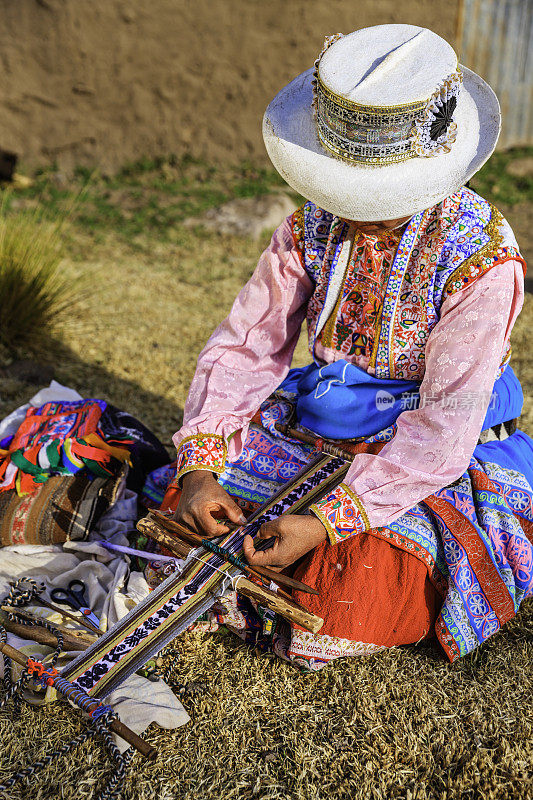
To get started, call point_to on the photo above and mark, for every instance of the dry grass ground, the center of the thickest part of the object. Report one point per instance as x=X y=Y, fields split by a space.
x=403 y=724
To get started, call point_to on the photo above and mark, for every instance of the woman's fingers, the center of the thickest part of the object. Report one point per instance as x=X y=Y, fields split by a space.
x=295 y=535
x=248 y=547
x=185 y=518
x=254 y=556
x=273 y=557
x=268 y=530
x=232 y=511
x=207 y=517
x=269 y=557
x=203 y=501
x=206 y=523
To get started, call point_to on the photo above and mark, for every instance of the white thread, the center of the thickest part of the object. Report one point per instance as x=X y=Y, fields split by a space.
x=233 y=579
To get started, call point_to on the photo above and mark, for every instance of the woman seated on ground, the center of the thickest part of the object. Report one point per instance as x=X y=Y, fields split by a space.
x=409 y=320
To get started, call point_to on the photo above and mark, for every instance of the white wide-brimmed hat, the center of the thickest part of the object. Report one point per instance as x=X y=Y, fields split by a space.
x=386 y=124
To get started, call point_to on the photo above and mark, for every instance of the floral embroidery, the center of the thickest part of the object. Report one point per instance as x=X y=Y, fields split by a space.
x=323 y=271
x=351 y=327
x=317 y=227
x=298 y=233
x=342 y=514
x=407 y=325
x=478 y=265
x=311 y=651
x=204 y=451
x=388 y=304
x=386 y=435
x=505 y=360
x=267 y=461
x=393 y=297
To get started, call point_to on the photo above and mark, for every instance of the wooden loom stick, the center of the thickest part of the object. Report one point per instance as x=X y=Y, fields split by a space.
x=322 y=445
x=116 y=725
x=174 y=605
x=263 y=572
x=282 y=593
x=286 y=608
x=278 y=601
x=153 y=529
x=41 y=601
x=195 y=540
x=177 y=547
x=76 y=640
x=83 y=636
x=40 y=635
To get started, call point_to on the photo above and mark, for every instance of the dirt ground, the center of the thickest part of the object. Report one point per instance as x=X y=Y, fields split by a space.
x=100 y=83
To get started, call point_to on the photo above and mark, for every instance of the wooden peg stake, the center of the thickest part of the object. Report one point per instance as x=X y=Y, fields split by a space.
x=286 y=608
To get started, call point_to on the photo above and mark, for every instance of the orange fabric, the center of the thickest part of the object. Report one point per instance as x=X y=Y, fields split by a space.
x=171 y=498
x=370 y=591
x=120 y=453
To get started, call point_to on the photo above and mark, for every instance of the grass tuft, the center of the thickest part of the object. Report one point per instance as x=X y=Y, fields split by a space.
x=35 y=292
x=150 y=197
x=495 y=182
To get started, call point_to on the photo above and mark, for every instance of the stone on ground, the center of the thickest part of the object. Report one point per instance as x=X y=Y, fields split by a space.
x=246 y=216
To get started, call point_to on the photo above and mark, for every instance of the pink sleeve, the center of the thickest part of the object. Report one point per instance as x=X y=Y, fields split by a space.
x=246 y=358
x=434 y=443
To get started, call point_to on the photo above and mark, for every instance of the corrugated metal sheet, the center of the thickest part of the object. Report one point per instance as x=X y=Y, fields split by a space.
x=495 y=39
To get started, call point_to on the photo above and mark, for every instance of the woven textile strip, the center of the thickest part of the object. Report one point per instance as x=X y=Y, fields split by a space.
x=392 y=294
x=178 y=602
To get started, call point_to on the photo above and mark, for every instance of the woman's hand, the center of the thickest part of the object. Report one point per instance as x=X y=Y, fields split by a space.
x=295 y=536
x=203 y=501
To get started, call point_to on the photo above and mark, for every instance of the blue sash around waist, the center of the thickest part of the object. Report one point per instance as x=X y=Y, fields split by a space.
x=342 y=401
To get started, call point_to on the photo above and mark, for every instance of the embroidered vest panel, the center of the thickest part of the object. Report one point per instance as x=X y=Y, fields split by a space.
x=377 y=306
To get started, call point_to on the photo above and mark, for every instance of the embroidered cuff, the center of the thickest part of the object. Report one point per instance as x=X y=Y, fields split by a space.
x=342 y=514
x=203 y=451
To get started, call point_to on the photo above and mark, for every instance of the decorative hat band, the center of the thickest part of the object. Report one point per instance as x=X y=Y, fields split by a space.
x=386 y=134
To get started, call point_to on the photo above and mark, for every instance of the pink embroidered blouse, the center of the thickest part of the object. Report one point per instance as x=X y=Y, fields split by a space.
x=250 y=353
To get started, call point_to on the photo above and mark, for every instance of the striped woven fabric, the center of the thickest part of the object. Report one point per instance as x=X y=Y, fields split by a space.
x=183 y=597
x=59 y=438
x=65 y=507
